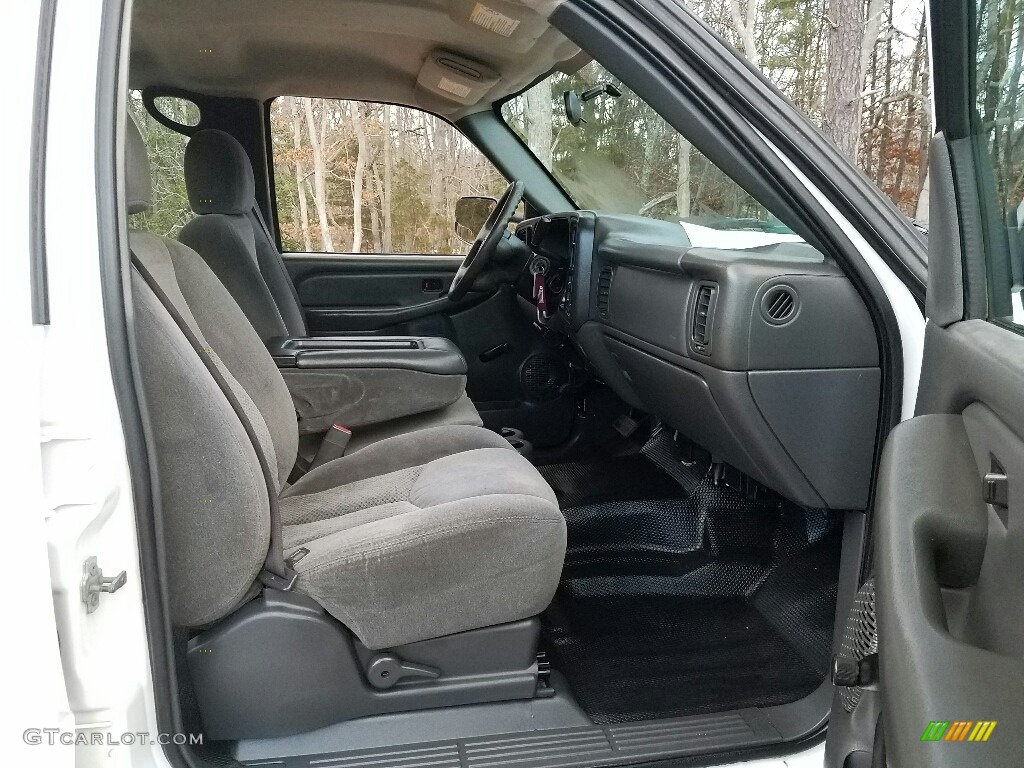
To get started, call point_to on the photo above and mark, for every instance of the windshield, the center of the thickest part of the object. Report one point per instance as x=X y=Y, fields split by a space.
x=622 y=157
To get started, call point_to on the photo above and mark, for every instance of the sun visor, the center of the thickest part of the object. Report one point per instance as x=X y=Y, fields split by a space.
x=456 y=78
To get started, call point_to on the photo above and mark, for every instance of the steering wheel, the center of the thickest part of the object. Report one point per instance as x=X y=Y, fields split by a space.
x=491 y=233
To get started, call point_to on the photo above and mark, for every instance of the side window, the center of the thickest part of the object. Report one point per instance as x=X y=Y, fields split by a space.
x=166 y=149
x=360 y=177
x=997 y=127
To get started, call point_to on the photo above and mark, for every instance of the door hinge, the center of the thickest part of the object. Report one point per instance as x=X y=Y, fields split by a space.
x=94 y=582
x=996 y=489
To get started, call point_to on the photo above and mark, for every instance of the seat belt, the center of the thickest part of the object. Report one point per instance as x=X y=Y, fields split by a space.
x=278 y=261
x=277 y=572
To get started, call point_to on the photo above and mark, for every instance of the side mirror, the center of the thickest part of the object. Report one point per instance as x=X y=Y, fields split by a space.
x=470 y=215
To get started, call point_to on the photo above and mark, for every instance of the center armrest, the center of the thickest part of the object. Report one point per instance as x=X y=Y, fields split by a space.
x=362 y=380
x=427 y=354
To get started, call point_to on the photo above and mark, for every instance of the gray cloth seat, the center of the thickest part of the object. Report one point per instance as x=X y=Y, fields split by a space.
x=417 y=536
x=234 y=242
x=415 y=533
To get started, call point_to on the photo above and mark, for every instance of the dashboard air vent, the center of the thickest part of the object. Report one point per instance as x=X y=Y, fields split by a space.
x=703 y=315
x=779 y=304
x=604 y=290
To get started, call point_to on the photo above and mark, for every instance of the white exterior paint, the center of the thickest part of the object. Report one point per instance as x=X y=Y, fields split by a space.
x=63 y=431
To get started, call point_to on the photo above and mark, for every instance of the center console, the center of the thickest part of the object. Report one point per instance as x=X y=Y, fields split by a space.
x=359 y=380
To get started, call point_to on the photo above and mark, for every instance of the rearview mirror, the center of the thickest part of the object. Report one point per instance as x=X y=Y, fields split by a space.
x=574 y=101
x=470 y=215
x=573 y=107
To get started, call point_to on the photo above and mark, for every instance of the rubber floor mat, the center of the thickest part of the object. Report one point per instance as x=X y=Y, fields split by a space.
x=631 y=658
x=708 y=602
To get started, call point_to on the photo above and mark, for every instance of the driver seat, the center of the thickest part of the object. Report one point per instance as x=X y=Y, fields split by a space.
x=232 y=237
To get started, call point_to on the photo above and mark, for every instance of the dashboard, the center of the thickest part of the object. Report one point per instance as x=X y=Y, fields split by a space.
x=765 y=356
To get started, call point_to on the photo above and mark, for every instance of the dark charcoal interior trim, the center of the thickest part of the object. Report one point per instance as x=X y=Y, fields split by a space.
x=579 y=747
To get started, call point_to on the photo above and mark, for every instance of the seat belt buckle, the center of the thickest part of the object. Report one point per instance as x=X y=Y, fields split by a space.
x=333 y=445
x=284 y=583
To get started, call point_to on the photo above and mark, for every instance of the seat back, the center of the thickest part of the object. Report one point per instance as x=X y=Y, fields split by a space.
x=228 y=233
x=214 y=498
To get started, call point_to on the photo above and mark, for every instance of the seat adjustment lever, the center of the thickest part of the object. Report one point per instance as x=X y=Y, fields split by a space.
x=386 y=669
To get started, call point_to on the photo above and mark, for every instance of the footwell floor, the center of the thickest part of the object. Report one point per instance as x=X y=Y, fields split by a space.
x=705 y=602
x=643 y=658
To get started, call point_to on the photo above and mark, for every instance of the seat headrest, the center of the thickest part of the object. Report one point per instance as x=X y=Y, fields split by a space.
x=218 y=174
x=138 y=185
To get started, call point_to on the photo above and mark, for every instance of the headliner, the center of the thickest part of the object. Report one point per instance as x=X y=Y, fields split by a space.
x=354 y=49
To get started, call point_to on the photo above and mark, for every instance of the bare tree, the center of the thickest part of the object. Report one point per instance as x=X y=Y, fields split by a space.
x=843 y=84
x=389 y=172
x=300 y=176
x=683 y=178
x=319 y=173
x=743 y=21
x=872 y=26
x=538 y=123
x=357 y=177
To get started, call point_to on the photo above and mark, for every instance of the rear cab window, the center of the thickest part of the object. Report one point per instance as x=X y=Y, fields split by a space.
x=166 y=149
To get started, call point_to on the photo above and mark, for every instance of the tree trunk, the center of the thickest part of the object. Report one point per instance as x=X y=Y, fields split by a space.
x=841 y=118
x=885 y=133
x=908 y=123
x=921 y=210
x=357 y=180
x=538 y=123
x=743 y=21
x=872 y=26
x=683 y=179
x=375 y=199
x=300 y=178
x=388 y=176
x=319 y=176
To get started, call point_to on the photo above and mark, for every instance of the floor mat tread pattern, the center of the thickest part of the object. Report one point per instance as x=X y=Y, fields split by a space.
x=696 y=603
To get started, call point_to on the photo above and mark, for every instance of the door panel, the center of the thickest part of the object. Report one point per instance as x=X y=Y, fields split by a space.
x=506 y=356
x=942 y=585
x=350 y=294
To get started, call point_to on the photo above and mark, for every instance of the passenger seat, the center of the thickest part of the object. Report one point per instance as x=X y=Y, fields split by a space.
x=420 y=536
x=230 y=235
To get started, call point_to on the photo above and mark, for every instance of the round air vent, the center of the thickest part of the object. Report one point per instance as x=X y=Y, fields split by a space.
x=541 y=376
x=779 y=304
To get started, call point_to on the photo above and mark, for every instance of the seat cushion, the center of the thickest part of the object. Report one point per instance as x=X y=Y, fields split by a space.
x=426 y=534
x=460 y=413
